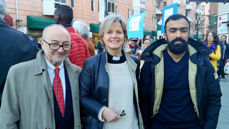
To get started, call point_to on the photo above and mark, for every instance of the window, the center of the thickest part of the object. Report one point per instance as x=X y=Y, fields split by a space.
x=92 y=5
x=116 y=9
x=142 y=10
x=58 y=2
x=111 y=7
x=61 y=1
x=128 y=13
x=73 y=3
x=187 y=13
x=142 y=1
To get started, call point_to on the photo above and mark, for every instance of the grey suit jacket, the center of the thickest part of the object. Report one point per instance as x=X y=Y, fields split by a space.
x=28 y=102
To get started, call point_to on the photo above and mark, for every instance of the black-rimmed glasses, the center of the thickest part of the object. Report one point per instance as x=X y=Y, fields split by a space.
x=56 y=46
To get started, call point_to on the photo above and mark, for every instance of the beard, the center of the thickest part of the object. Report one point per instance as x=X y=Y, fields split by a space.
x=177 y=48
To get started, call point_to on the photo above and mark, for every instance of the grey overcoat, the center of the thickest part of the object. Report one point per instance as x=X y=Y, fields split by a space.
x=28 y=102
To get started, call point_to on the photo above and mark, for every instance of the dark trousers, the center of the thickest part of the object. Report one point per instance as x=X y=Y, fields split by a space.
x=221 y=68
x=168 y=125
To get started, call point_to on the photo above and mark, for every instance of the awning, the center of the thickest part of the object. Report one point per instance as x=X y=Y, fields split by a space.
x=158 y=27
x=94 y=28
x=34 y=22
x=154 y=33
x=146 y=32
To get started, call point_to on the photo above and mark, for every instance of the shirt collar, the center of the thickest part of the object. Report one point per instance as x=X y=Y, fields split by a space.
x=51 y=66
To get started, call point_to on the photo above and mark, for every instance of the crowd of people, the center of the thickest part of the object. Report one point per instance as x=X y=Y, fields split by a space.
x=65 y=85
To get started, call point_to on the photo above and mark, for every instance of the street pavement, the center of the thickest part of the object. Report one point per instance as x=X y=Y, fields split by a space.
x=223 y=122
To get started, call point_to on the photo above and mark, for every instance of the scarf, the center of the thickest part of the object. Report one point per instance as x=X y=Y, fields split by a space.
x=212 y=47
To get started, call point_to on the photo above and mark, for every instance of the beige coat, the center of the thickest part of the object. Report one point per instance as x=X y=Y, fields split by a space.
x=28 y=102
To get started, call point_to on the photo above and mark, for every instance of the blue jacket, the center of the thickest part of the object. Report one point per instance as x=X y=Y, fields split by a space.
x=15 y=47
x=94 y=87
x=205 y=89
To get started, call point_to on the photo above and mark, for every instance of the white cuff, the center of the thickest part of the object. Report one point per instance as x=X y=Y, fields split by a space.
x=100 y=114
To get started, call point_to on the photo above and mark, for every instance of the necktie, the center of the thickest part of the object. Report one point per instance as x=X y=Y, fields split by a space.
x=58 y=90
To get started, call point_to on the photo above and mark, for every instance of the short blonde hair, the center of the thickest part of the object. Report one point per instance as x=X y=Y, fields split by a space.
x=107 y=23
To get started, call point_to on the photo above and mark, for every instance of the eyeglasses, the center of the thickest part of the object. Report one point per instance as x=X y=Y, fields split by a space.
x=55 y=45
x=123 y=113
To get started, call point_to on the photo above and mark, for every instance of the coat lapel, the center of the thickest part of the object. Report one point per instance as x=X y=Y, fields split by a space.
x=41 y=70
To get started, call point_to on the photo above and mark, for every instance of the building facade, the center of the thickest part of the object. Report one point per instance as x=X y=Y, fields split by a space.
x=31 y=16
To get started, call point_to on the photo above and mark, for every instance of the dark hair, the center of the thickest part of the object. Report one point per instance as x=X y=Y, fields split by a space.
x=176 y=17
x=215 y=38
x=65 y=12
x=149 y=36
x=224 y=36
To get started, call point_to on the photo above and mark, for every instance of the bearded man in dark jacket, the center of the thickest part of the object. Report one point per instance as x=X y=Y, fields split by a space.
x=15 y=47
x=179 y=87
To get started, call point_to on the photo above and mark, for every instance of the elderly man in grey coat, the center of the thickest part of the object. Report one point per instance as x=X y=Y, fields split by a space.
x=43 y=93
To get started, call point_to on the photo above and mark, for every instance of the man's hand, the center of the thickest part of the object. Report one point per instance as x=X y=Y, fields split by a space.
x=110 y=115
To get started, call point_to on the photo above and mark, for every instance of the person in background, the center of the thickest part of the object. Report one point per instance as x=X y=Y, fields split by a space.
x=8 y=19
x=178 y=89
x=100 y=47
x=83 y=30
x=35 y=42
x=108 y=82
x=224 y=48
x=161 y=37
x=144 y=46
x=16 y=47
x=63 y=15
x=212 y=42
x=148 y=37
x=133 y=47
x=43 y=93
x=139 y=43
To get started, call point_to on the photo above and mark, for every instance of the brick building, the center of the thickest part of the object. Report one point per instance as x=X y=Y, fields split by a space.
x=31 y=16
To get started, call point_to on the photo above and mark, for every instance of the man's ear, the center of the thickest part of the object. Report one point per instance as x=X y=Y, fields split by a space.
x=165 y=36
x=41 y=42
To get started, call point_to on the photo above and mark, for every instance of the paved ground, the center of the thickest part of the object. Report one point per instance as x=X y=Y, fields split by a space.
x=223 y=122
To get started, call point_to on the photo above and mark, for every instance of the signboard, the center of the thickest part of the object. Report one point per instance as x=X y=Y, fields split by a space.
x=135 y=26
x=222 y=27
x=168 y=11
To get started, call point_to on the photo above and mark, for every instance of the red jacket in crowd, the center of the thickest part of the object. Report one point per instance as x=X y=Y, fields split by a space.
x=79 y=51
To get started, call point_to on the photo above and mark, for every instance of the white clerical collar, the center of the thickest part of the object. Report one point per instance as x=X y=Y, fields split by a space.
x=116 y=58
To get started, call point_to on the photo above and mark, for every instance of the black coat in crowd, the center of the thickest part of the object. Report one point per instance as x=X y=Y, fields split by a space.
x=16 y=47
